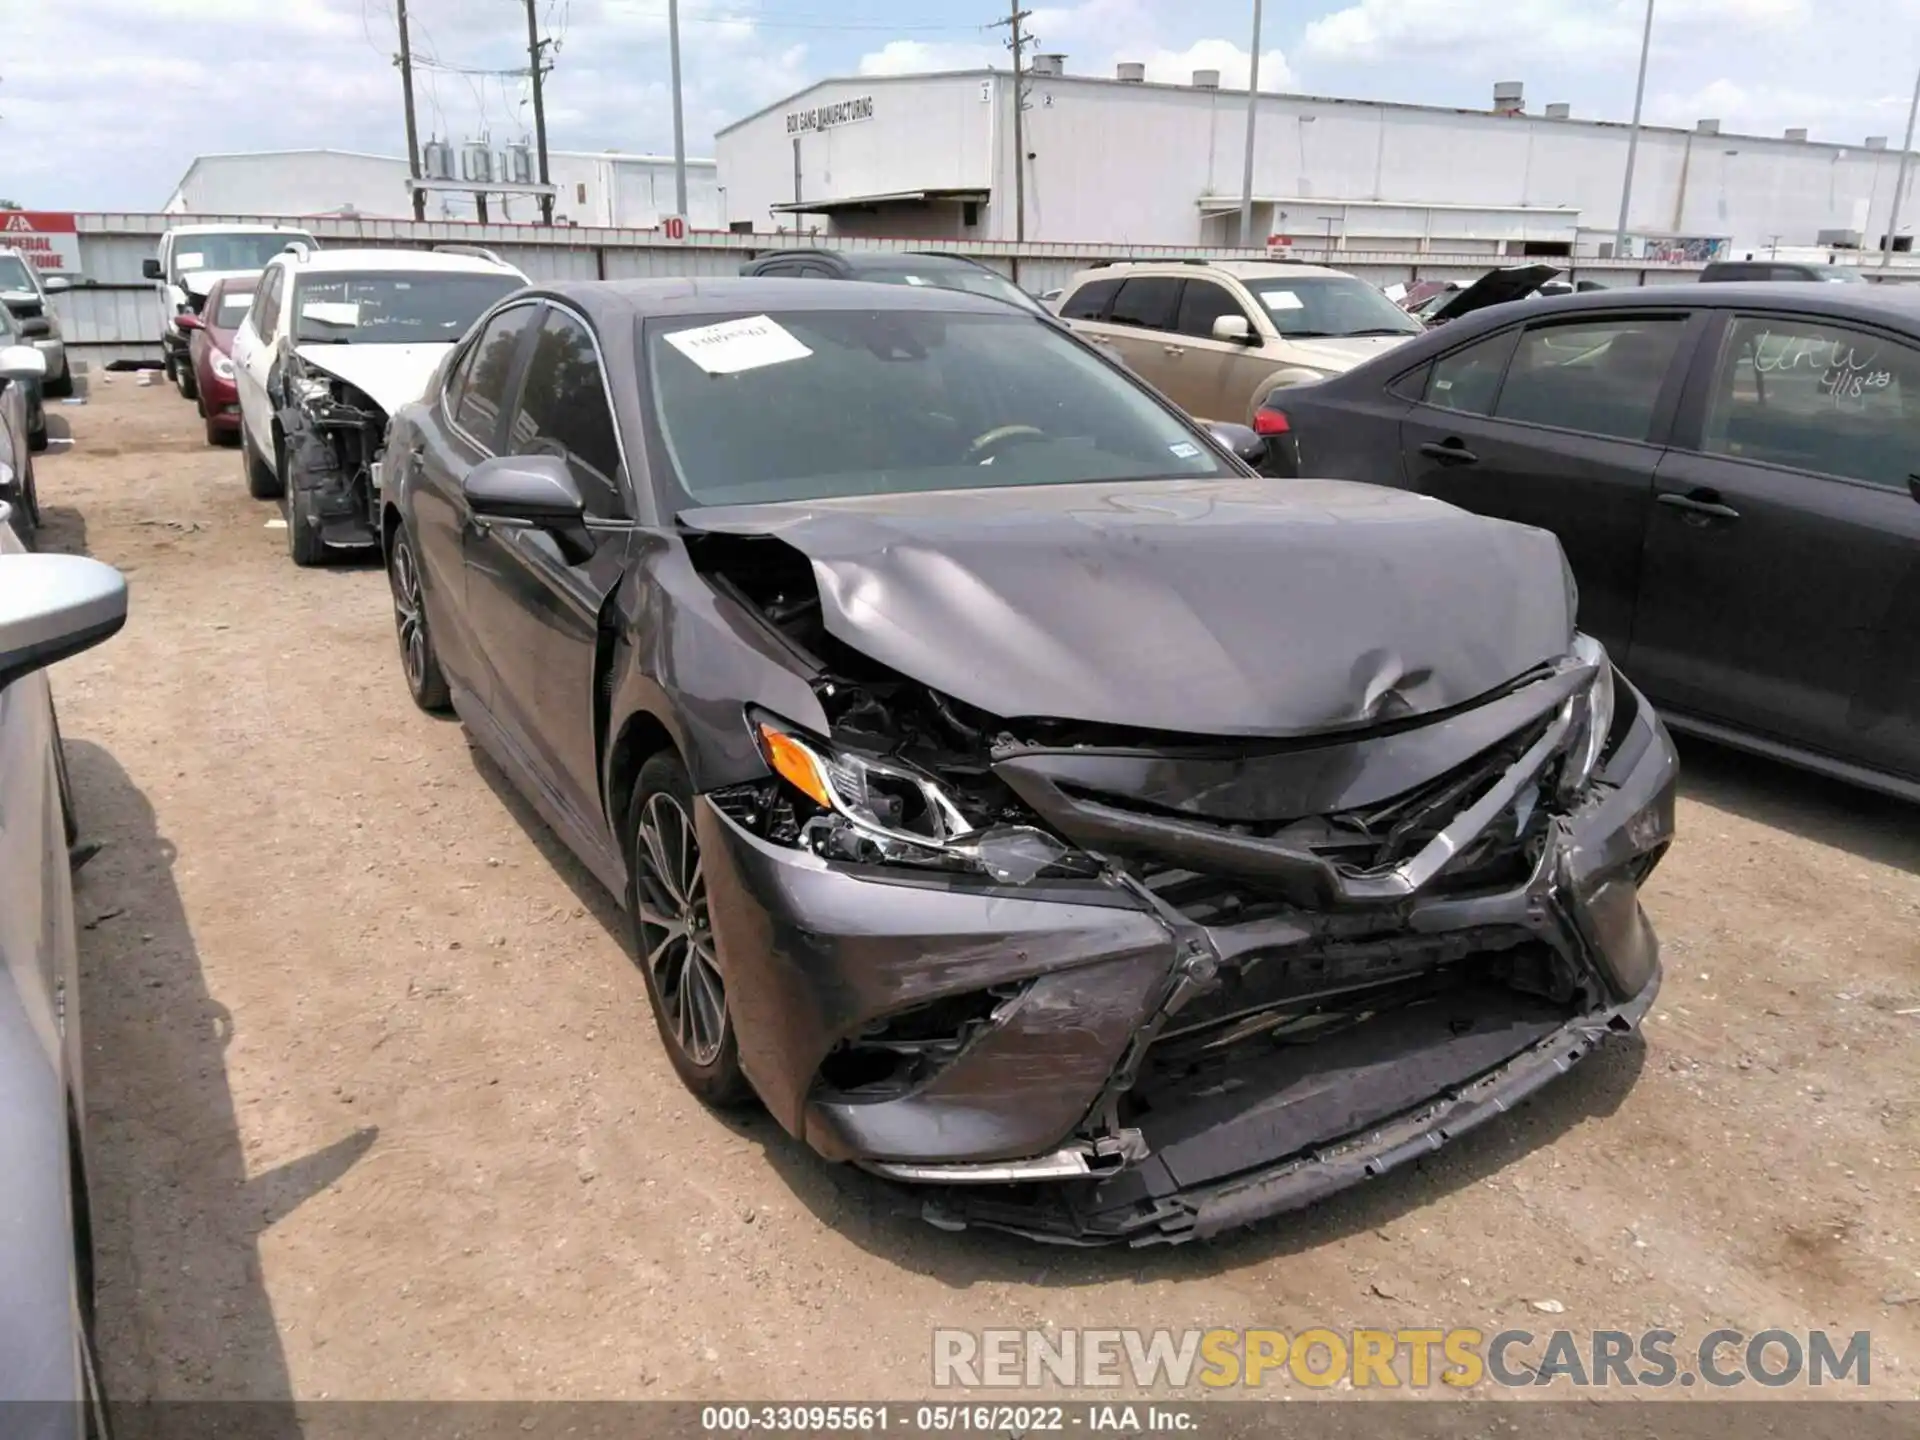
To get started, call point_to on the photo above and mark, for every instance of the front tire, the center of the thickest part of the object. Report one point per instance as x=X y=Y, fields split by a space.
x=303 y=536
x=262 y=481
x=667 y=896
x=419 y=662
x=183 y=376
x=25 y=508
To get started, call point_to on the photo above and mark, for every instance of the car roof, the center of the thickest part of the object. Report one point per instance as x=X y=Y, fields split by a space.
x=1895 y=301
x=330 y=262
x=877 y=259
x=701 y=295
x=238 y=230
x=1238 y=269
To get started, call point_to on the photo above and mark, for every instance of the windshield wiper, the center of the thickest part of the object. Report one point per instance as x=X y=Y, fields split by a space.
x=324 y=340
x=1383 y=330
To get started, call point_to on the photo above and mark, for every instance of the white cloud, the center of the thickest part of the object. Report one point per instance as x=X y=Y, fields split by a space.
x=1176 y=67
x=1599 y=31
x=916 y=57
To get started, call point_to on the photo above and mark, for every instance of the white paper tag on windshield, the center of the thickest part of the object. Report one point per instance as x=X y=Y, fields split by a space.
x=1281 y=300
x=736 y=345
x=190 y=260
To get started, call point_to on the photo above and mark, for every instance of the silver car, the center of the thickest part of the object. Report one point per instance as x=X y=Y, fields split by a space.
x=51 y=606
x=25 y=294
x=21 y=370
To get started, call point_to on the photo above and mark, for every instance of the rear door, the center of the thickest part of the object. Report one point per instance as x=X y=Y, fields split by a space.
x=1558 y=424
x=1138 y=323
x=465 y=429
x=1781 y=583
x=535 y=608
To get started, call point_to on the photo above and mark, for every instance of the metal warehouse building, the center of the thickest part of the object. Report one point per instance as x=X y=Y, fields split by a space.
x=609 y=188
x=1118 y=159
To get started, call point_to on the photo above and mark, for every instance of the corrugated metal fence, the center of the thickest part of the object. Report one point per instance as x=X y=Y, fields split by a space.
x=113 y=314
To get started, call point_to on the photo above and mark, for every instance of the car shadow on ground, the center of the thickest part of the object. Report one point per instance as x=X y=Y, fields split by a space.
x=883 y=1218
x=1874 y=827
x=177 y=1219
x=63 y=531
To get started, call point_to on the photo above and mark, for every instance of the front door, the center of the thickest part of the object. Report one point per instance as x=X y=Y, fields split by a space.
x=1555 y=426
x=464 y=428
x=536 y=609
x=1215 y=379
x=1781 y=582
x=253 y=359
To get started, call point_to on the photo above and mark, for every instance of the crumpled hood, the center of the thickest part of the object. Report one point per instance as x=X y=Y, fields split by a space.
x=1341 y=354
x=391 y=375
x=1232 y=607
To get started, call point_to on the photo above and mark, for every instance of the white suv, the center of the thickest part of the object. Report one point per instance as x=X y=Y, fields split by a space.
x=191 y=258
x=335 y=342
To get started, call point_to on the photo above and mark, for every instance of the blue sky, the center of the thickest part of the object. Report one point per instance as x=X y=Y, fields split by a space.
x=104 y=102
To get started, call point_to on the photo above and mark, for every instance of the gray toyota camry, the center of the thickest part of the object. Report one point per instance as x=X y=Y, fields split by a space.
x=1012 y=791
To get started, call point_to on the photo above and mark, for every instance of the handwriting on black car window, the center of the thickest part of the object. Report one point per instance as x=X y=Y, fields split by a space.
x=1843 y=372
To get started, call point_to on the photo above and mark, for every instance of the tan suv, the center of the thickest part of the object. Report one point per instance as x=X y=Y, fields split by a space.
x=1215 y=338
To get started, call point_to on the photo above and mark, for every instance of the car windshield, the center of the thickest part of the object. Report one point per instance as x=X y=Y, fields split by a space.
x=968 y=278
x=234 y=305
x=420 y=308
x=14 y=274
x=232 y=252
x=805 y=405
x=1311 y=306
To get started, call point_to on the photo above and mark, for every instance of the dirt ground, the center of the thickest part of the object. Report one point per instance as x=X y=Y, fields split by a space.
x=377 y=1108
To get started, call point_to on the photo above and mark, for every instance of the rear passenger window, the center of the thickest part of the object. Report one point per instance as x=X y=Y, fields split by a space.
x=483 y=389
x=1090 y=301
x=563 y=411
x=1599 y=378
x=1467 y=379
x=1817 y=397
x=1148 y=301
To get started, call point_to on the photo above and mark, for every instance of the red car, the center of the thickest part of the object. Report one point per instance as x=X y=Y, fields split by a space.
x=210 y=350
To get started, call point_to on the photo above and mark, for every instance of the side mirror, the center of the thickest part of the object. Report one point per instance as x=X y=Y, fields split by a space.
x=38 y=328
x=150 y=269
x=54 y=606
x=58 y=283
x=1913 y=486
x=1233 y=329
x=1243 y=444
x=532 y=490
x=187 y=320
x=22 y=362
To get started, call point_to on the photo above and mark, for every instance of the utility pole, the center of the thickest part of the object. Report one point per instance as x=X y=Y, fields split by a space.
x=1900 y=181
x=1017 y=44
x=536 y=68
x=1253 y=110
x=679 y=127
x=405 y=61
x=1633 y=137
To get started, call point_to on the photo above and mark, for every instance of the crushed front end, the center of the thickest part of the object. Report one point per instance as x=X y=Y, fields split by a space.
x=336 y=435
x=1093 y=985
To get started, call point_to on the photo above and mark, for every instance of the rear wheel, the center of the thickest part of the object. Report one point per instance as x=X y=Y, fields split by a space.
x=61 y=386
x=418 y=660
x=668 y=898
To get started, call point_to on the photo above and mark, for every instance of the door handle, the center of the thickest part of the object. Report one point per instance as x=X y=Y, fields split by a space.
x=1695 y=506
x=1449 y=454
x=1174 y=349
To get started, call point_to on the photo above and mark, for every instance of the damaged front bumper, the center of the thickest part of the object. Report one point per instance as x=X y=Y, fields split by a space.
x=1132 y=1058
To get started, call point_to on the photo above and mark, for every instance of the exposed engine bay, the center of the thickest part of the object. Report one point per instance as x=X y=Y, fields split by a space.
x=335 y=435
x=1375 y=938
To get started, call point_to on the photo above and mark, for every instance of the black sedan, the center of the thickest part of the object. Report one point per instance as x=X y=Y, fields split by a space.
x=1731 y=469
x=1006 y=785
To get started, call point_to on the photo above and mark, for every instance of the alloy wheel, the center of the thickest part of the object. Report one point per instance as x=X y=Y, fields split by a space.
x=676 y=936
x=408 y=616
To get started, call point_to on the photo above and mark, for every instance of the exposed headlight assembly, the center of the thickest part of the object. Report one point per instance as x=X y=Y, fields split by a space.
x=308 y=390
x=880 y=813
x=1591 y=712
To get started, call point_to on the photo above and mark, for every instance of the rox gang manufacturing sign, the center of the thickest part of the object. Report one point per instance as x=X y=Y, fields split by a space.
x=50 y=243
x=825 y=117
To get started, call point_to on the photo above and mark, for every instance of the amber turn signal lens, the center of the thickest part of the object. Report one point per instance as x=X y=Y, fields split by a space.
x=795 y=764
